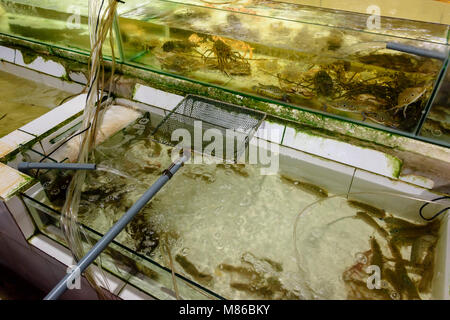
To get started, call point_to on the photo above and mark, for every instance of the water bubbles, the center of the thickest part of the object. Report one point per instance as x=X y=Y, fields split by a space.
x=245 y=202
x=395 y=295
x=361 y=258
x=197 y=170
x=437 y=133
x=185 y=251
x=241 y=220
x=209 y=177
x=315 y=235
x=256 y=188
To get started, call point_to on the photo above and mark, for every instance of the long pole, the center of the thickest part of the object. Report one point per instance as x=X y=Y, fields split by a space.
x=26 y=166
x=417 y=51
x=98 y=248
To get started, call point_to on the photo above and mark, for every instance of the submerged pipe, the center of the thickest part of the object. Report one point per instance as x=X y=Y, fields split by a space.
x=101 y=245
x=25 y=166
x=417 y=51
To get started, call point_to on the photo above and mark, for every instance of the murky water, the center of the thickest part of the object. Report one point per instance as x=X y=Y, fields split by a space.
x=60 y=23
x=337 y=71
x=22 y=101
x=230 y=229
x=313 y=58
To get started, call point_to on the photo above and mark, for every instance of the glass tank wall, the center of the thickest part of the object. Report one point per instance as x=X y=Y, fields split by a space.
x=326 y=61
x=437 y=124
x=60 y=23
x=321 y=60
x=213 y=225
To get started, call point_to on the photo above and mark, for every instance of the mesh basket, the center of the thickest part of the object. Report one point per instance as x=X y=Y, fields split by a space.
x=213 y=127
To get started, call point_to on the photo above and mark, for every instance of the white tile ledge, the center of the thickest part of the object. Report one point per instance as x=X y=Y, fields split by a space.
x=40 y=64
x=7 y=54
x=155 y=97
x=359 y=157
x=418 y=181
x=11 y=181
x=41 y=125
x=131 y=293
x=52 y=249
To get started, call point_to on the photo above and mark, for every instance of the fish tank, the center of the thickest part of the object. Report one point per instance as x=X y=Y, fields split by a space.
x=60 y=24
x=436 y=125
x=225 y=231
x=321 y=60
x=329 y=62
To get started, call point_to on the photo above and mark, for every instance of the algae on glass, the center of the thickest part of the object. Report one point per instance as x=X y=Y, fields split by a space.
x=437 y=123
x=230 y=229
x=53 y=22
x=292 y=54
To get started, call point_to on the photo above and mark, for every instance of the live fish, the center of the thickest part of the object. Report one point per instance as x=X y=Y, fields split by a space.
x=407 y=286
x=377 y=255
x=271 y=91
x=427 y=276
x=408 y=97
x=307 y=187
x=377 y=213
x=406 y=229
x=421 y=247
x=192 y=270
x=371 y=222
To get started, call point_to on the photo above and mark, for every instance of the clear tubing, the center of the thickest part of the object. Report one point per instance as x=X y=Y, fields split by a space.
x=101 y=245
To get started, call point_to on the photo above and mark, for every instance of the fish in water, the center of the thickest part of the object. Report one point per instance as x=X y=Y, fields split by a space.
x=393 y=222
x=380 y=117
x=407 y=286
x=362 y=103
x=390 y=277
x=371 y=222
x=408 y=97
x=428 y=264
x=375 y=212
x=243 y=271
x=407 y=229
x=346 y=106
x=252 y=260
x=420 y=248
x=192 y=270
x=237 y=168
x=377 y=255
x=399 y=277
x=307 y=187
x=271 y=91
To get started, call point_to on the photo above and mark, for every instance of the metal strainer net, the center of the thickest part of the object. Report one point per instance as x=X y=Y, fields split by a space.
x=203 y=118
